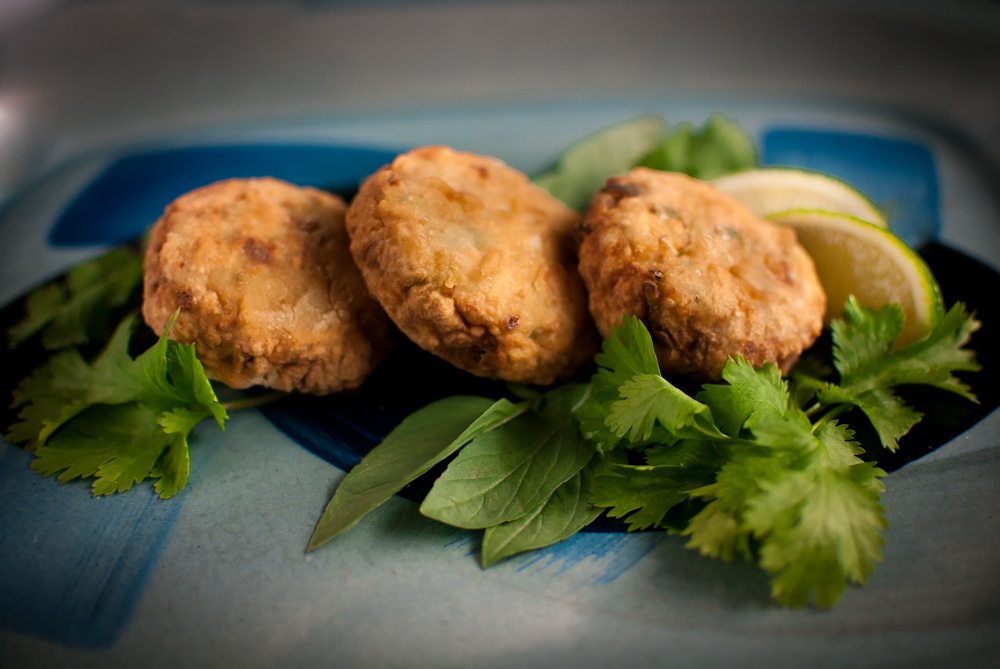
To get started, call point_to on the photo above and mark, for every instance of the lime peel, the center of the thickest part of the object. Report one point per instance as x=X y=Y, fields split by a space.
x=855 y=257
x=770 y=190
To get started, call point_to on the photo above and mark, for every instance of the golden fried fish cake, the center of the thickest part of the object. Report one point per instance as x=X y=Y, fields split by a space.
x=263 y=277
x=475 y=264
x=708 y=278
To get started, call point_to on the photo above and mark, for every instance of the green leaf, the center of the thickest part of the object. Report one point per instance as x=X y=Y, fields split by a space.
x=80 y=308
x=584 y=167
x=505 y=473
x=717 y=531
x=117 y=445
x=562 y=515
x=684 y=453
x=746 y=391
x=174 y=466
x=627 y=351
x=424 y=438
x=187 y=375
x=117 y=419
x=825 y=514
x=643 y=495
x=66 y=385
x=871 y=368
x=809 y=503
x=648 y=400
x=720 y=147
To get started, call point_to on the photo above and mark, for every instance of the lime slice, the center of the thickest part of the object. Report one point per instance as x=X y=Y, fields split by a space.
x=854 y=257
x=773 y=189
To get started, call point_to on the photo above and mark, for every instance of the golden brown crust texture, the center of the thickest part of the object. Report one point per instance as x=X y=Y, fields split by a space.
x=707 y=277
x=261 y=272
x=474 y=263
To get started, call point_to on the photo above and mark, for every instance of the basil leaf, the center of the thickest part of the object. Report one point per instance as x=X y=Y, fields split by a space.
x=562 y=515
x=583 y=168
x=423 y=439
x=505 y=473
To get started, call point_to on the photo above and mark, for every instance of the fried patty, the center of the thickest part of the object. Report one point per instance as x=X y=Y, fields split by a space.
x=708 y=278
x=265 y=284
x=475 y=264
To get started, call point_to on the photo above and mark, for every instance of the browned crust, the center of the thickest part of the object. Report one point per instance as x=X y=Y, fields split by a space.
x=266 y=287
x=707 y=277
x=474 y=264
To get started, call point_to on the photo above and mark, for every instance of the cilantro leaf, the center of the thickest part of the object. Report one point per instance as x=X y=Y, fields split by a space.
x=507 y=472
x=649 y=400
x=424 y=438
x=803 y=495
x=870 y=368
x=643 y=494
x=117 y=445
x=80 y=308
x=66 y=384
x=627 y=351
x=746 y=391
x=118 y=419
x=820 y=525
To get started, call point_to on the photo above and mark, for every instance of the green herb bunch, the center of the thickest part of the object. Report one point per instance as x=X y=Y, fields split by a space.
x=116 y=419
x=752 y=468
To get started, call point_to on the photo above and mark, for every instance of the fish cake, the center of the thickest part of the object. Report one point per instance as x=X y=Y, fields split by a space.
x=475 y=264
x=263 y=277
x=708 y=278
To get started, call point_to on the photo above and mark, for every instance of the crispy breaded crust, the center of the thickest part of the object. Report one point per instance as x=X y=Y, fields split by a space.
x=475 y=264
x=708 y=278
x=261 y=272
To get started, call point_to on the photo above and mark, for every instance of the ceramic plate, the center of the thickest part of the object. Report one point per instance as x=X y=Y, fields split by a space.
x=218 y=575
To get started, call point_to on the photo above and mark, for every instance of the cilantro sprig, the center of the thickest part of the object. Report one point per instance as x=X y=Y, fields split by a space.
x=118 y=419
x=745 y=469
x=83 y=307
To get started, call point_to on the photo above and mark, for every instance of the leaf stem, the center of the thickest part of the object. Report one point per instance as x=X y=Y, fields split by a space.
x=830 y=415
x=253 y=402
x=811 y=411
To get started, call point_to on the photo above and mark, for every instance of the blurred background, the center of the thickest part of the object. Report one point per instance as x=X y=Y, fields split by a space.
x=77 y=75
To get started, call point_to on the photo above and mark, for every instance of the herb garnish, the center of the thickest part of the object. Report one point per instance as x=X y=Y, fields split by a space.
x=83 y=307
x=744 y=468
x=117 y=419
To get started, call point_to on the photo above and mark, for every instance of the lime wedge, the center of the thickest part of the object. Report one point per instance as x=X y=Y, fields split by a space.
x=772 y=189
x=857 y=258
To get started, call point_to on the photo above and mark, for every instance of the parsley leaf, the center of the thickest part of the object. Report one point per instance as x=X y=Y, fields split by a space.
x=79 y=309
x=766 y=482
x=119 y=420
